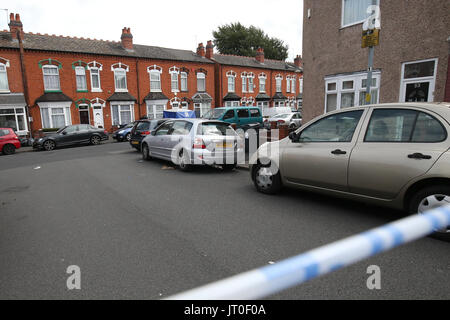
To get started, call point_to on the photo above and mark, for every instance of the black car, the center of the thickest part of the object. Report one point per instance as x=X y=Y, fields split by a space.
x=71 y=135
x=141 y=129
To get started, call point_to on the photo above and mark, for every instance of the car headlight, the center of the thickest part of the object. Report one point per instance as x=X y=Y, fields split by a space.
x=122 y=131
x=40 y=140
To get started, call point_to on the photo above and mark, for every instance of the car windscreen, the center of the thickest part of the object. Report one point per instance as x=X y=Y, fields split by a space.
x=61 y=130
x=214 y=114
x=215 y=129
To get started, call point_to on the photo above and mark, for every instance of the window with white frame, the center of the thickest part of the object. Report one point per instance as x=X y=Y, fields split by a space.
x=262 y=82
x=418 y=81
x=55 y=116
x=51 y=78
x=120 y=79
x=94 y=70
x=13 y=118
x=264 y=107
x=231 y=104
x=80 y=74
x=201 y=82
x=355 y=11
x=231 y=76
x=278 y=80
x=155 y=78
x=300 y=85
x=155 y=109
x=244 y=82
x=184 y=81
x=4 y=86
x=122 y=114
x=174 y=72
x=293 y=84
x=184 y=105
x=288 y=84
x=349 y=90
x=251 y=82
x=278 y=103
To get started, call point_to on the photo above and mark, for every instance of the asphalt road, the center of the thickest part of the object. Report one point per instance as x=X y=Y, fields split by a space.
x=140 y=230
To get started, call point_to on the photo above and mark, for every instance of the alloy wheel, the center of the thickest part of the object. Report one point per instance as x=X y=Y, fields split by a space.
x=49 y=145
x=432 y=202
x=264 y=178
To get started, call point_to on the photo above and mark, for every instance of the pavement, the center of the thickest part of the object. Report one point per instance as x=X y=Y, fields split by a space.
x=145 y=230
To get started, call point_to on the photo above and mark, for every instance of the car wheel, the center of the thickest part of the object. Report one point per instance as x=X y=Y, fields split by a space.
x=49 y=145
x=128 y=137
x=183 y=161
x=292 y=126
x=95 y=140
x=228 y=167
x=430 y=198
x=146 y=152
x=9 y=149
x=266 y=180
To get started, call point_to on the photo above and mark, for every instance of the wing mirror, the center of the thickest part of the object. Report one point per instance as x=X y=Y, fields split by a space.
x=64 y=133
x=294 y=136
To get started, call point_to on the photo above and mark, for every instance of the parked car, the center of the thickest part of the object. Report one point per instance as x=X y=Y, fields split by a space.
x=124 y=133
x=396 y=155
x=71 y=135
x=141 y=129
x=9 y=142
x=192 y=142
x=242 y=117
x=293 y=119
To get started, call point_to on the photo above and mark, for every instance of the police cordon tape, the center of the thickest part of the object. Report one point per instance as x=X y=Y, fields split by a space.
x=285 y=274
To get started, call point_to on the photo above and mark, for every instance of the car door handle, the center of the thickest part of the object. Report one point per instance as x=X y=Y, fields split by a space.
x=338 y=152
x=419 y=156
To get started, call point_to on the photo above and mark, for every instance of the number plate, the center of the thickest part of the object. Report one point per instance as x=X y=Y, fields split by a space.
x=224 y=145
x=135 y=142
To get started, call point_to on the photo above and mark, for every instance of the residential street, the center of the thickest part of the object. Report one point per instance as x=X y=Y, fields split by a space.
x=144 y=230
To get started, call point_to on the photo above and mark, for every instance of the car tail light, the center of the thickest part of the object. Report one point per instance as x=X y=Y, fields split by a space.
x=145 y=133
x=198 y=144
x=106 y=132
x=281 y=121
x=266 y=120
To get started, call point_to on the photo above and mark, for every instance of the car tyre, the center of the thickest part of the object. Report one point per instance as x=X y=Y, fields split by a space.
x=49 y=145
x=146 y=153
x=128 y=137
x=430 y=198
x=292 y=126
x=265 y=179
x=8 y=149
x=183 y=161
x=95 y=140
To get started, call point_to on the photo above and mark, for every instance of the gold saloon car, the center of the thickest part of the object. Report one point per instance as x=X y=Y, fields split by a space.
x=396 y=155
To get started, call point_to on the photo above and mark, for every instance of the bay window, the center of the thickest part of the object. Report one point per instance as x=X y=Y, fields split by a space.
x=57 y=116
x=13 y=118
x=122 y=114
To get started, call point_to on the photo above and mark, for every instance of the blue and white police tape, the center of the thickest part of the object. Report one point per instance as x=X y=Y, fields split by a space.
x=269 y=280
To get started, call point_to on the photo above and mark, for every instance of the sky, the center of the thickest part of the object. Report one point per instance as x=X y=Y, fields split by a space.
x=179 y=24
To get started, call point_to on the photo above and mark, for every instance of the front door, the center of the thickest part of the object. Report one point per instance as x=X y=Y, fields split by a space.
x=320 y=158
x=98 y=117
x=84 y=114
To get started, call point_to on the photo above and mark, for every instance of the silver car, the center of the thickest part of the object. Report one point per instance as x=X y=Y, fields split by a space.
x=396 y=155
x=191 y=142
x=293 y=120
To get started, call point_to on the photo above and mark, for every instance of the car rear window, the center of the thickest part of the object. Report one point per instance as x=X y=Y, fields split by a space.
x=215 y=129
x=143 y=125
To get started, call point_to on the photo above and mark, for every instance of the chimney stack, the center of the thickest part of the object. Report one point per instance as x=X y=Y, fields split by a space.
x=15 y=25
x=260 y=55
x=127 y=39
x=201 y=50
x=298 y=61
x=209 y=50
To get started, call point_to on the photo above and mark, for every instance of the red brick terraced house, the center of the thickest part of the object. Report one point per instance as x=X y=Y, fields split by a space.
x=256 y=81
x=49 y=81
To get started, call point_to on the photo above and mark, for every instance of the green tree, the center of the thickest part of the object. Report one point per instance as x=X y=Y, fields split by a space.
x=240 y=40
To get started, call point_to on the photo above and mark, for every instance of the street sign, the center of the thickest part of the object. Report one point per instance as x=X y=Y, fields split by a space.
x=370 y=38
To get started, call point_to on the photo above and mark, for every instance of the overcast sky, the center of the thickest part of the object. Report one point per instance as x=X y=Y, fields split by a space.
x=180 y=24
